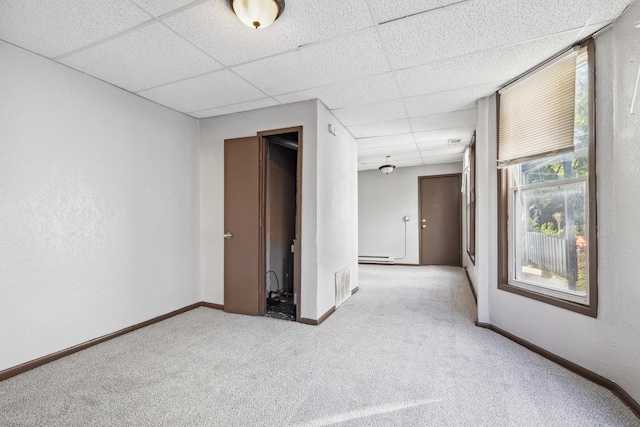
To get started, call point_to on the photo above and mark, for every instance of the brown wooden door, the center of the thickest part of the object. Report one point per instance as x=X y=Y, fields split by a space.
x=242 y=226
x=440 y=220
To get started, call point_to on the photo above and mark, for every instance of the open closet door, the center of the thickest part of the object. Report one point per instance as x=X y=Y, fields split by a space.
x=243 y=259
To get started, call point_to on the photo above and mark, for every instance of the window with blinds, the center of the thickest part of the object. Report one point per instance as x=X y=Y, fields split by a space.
x=546 y=156
x=536 y=115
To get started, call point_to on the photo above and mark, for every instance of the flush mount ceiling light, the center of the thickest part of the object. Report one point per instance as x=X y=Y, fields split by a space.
x=387 y=169
x=257 y=13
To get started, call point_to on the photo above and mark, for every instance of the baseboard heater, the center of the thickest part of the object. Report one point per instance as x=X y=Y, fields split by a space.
x=366 y=259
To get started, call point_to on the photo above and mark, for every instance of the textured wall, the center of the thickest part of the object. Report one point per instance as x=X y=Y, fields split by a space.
x=383 y=200
x=610 y=344
x=98 y=208
x=337 y=238
x=213 y=133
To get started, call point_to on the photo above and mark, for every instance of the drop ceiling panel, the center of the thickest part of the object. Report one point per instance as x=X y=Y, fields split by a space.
x=145 y=58
x=385 y=141
x=387 y=150
x=396 y=157
x=371 y=113
x=160 y=7
x=608 y=10
x=444 y=134
x=393 y=127
x=442 y=151
x=200 y=93
x=362 y=167
x=215 y=28
x=229 y=109
x=347 y=94
x=447 y=158
x=466 y=118
x=351 y=57
x=436 y=145
x=387 y=10
x=53 y=28
x=444 y=102
x=478 y=25
x=499 y=64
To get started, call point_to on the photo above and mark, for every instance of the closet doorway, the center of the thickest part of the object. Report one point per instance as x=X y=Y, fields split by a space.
x=262 y=224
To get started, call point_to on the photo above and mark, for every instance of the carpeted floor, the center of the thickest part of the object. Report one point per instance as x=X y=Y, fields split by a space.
x=401 y=352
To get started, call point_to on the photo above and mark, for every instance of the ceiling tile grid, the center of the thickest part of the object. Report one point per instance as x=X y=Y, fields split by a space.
x=213 y=90
x=389 y=10
x=53 y=28
x=235 y=108
x=161 y=7
x=214 y=27
x=146 y=58
x=366 y=90
x=380 y=128
x=371 y=113
x=403 y=76
x=354 y=56
x=445 y=120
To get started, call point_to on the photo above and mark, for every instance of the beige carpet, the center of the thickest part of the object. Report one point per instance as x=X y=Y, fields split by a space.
x=402 y=351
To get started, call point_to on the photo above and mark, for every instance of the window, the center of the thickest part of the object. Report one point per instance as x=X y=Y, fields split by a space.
x=470 y=197
x=546 y=160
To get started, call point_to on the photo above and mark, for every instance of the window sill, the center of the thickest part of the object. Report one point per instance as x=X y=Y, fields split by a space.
x=590 y=310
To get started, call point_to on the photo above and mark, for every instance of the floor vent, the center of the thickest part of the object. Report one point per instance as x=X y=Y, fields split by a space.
x=343 y=285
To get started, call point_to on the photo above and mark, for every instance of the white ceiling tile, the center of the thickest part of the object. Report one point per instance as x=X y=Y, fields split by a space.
x=444 y=134
x=393 y=127
x=230 y=109
x=384 y=151
x=200 y=93
x=53 y=28
x=160 y=7
x=387 y=10
x=442 y=151
x=362 y=167
x=145 y=58
x=452 y=100
x=607 y=10
x=447 y=158
x=477 y=25
x=393 y=158
x=371 y=113
x=444 y=121
x=385 y=141
x=434 y=145
x=347 y=94
x=215 y=28
x=347 y=58
x=494 y=65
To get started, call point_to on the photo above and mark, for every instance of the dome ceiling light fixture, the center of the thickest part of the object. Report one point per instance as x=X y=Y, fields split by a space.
x=387 y=169
x=257 y=13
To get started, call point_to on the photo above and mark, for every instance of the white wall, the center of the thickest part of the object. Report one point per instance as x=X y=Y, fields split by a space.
x=383 y=200
x=337 y=234
x=329 y=194
x=608 y=345
x=213 y=132
x=98 y=208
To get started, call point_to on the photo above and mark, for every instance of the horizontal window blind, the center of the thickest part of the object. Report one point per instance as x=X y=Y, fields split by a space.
x=537 y=112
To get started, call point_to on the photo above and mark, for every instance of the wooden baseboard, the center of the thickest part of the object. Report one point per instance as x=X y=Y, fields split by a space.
x=473 y=290
x=11 y=372
x=573 y=367
x=322 y=318
x=212 y=305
